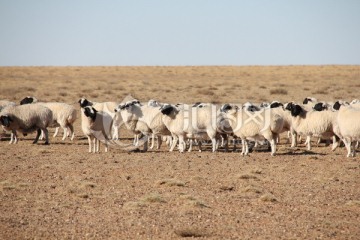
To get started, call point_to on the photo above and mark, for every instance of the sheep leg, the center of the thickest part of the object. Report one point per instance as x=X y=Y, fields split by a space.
x=213 y=140
x=353 y=145
x=106 y=145
x=190 y=145
x=115 y=135
x=347 y=143
x=90 y=143
x=181 y=143
x=38 y=133
x=293 y=138
x=226 y=146
x=243 y=147
x=278 y=139
x=56 y=131
x=136 y=140
x=174 y=142
x=336 y=141
x=146 y=140
x=96 y=145
x=318 y=141
x=46 y=133
x=13 y=137
x=246 y=148
x=72 y=132
x=65 y=133
x=41 y=136
x=234 y=147
x=159 y=142
x=199 y=145
x=273 y=147
x=152 y=141
x=308 y=142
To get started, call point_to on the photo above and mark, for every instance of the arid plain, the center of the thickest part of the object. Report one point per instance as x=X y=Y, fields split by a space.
x=61 y=191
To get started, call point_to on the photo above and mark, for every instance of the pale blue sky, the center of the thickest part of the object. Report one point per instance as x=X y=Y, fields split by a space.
x=179 y=32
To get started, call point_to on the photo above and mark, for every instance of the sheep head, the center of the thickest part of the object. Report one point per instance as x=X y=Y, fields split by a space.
x=309 y=99
x=84 y=102
x=276 y=104
x=294 y=109
x=320 y=107
x=28 y=100
x=168 y=109
x=90 y=112
x=337 y=105
x=229 y=108
x=5 y=120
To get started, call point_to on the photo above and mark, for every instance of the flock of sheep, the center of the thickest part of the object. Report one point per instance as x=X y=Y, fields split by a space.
x=182 y=124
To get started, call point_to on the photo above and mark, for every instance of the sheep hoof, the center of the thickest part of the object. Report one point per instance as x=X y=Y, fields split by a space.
x=46 y=143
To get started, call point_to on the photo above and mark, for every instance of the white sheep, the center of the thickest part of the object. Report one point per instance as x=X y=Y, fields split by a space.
x=64 y=116
x=108 y=107
x=26 y=119
x=190 y=122
x=255 y=126
x=143 y=118
x=349 y=126
x=96 y=125
x=314 y=123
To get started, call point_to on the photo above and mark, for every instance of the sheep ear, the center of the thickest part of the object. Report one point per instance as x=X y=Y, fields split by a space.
x=306 y=100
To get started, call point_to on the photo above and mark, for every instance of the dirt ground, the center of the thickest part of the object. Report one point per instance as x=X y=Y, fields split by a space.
x=61 y=191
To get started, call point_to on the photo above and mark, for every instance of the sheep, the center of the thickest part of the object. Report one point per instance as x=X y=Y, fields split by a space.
x=96 y=125
x=64 y=116
x=348 y=121
x=188 y=122
x=142 y=118
x=108 y=107
x=247 y=126
x=168 y=139
x=26 y=119
x=313 y=123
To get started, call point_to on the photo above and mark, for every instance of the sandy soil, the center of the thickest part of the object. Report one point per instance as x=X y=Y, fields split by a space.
x=61 y=191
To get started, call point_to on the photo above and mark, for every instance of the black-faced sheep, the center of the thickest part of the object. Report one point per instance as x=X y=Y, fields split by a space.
x=26 y=119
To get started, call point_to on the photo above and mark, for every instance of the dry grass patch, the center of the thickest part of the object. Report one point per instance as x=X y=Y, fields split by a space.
x=193 y=202
x=353 y=203
x=171 y=182
x=267 y=197
x=252 y=189
x=144 y=201
x=248 y=176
